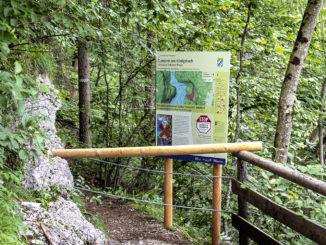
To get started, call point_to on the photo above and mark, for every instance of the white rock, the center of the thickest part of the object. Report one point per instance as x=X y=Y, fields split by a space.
x=45 y=172
x=34 y=205
x=64 y=224
x=37 y=242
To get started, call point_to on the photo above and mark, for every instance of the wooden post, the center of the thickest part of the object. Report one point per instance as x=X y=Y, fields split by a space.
x=242 y=204
x=217 y=200
x=168 y=193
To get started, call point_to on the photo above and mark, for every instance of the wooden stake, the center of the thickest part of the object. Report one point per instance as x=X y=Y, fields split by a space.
x=157 y=150
x=46 y=234
x=168 y=193
x=217 y=200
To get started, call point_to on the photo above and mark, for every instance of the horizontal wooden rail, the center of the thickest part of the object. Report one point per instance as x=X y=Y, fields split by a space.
x=309 y=229
x=252 y=231
x=289 y=174
x=157 y=150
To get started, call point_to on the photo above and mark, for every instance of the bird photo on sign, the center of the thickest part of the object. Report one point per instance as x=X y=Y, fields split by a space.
x=164 y=130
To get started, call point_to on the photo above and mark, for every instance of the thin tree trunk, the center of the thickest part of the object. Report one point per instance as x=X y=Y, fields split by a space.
x=237 y=79
x=323 y=96
x=290 y=82
x=117 y=169
x=237 y=129
x=149 y=103
x=84 y=94
x=321 y=130
x=106 y=111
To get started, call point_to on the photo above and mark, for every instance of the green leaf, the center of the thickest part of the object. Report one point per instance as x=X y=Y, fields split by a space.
x=14 y=143
x=3 y=135
x=4 y=48
x=27 y=120
x=18 y=67
x=23 y=154
x=13 y=21
x=20 y=107
x=34 y=153
x=6 y=11
x=3 y=101
x=17 y=94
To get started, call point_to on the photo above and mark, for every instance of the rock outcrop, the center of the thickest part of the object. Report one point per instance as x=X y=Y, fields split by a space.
x=63 y=221
x=45 y=172
x=64 y=224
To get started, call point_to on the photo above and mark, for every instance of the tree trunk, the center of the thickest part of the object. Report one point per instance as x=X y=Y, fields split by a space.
x=290 y=82
x=84 y=94
x=237 y=129
x=321 y=126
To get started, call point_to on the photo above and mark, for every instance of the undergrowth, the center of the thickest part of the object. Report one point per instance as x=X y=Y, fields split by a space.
x=80 y=199
x=11 y=222
x=194 y=234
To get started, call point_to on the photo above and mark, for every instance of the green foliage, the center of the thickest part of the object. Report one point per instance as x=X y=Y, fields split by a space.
x=13 y=90
x=10 y=218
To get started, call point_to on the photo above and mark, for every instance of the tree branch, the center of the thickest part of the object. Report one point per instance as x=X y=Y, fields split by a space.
x=45 y=17
x=37 y=39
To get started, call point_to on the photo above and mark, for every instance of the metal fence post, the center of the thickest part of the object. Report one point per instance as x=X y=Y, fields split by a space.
x=242 y=173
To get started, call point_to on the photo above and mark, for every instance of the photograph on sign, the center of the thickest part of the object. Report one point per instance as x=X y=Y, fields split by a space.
x=164 y=130
x=192 y=100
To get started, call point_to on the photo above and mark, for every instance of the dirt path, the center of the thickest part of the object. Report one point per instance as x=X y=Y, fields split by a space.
x=128 y=226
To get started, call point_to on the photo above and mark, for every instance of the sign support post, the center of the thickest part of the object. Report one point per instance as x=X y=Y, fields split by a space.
x=168 y=193
x=217 y=200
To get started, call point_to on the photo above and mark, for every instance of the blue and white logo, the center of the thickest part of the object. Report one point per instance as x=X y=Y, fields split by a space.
x=220 y=62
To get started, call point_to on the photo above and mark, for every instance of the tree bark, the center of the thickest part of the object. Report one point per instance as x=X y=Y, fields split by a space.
x=237 y=79
x=84 y=94
x=290 y=82
x=321 y=126
x=237 y=129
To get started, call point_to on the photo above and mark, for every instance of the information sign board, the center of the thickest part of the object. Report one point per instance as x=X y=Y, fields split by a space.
x=192 y=94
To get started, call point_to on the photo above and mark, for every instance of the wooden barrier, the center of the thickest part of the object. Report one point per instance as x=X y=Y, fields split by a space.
x=309 y=229
x=242 y=175
x=156 y=150
x=252 y=231
x=168 y=165
x=289 y=174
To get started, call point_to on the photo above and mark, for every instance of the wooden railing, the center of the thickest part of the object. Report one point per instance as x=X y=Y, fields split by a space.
x=168 y=166
x=305 y=227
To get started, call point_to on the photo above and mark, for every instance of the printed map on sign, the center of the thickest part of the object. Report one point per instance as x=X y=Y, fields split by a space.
x=184 y=88
x=192 y=101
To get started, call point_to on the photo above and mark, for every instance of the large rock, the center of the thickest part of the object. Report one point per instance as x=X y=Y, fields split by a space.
x=45 y=172
x=64 y=224
x=63 y=221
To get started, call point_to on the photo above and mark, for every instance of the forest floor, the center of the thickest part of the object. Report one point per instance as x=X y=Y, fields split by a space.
x=126 y=225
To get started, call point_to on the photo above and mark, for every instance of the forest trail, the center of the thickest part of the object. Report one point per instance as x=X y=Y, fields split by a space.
x=127 y=226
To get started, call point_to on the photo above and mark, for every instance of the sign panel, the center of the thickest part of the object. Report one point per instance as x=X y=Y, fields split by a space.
x=192 y=94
